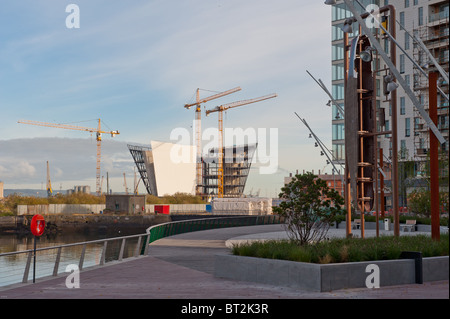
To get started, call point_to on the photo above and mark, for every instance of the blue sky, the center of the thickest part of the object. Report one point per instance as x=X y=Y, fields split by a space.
x=134 y=64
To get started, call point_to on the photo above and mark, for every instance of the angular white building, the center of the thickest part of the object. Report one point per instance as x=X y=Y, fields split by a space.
x=165 y=168
x=168 y=168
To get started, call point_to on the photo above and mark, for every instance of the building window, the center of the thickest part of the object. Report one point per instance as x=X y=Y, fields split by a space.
x=403 y=149
x=387 y=128
x=338 y=91
x=402 y=20
x=406 y=41
x=339 y=12
x=402 y=63
x=406 y=3
x=407 y=127
x=338 y=151
x=337 y=52
x=408 y=79
x=337 y=72
x=338 y=131
x=420 y=17
x=402 y=105
x=337 y=33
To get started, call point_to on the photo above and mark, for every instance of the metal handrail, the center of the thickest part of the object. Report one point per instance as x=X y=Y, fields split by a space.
x=140 y=249
x=184 y=226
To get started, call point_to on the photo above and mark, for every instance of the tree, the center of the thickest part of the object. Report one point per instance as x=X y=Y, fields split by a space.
x=419 y=202
x=309 y=208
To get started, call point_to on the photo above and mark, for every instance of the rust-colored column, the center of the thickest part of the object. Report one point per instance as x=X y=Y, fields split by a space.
x=381 y=185
x=434 y=160
x=347 y=190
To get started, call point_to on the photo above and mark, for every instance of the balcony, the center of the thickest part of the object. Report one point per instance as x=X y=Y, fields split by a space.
x=433 y=17
x=422 y=152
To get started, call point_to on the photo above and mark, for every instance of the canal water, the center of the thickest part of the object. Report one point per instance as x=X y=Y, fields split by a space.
x=12 y=267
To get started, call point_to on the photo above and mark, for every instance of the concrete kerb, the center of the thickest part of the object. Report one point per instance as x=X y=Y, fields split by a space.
x=326 y=277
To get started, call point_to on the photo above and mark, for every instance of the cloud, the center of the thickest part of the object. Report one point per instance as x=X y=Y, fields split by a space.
x=16 y=169
x=69 y=160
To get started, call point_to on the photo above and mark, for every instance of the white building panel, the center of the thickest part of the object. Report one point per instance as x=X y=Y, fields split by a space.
x=174 y=168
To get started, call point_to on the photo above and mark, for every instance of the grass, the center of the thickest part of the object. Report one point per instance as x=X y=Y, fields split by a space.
x=345 y=250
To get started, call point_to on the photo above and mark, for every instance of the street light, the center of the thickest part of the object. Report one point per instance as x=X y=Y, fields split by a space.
x=390 y=84
x=347 y=28
x=366 y=55
x=330 y=2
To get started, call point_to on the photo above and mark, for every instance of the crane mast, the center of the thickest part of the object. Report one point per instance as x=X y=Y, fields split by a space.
x=221 y=109
x=49 y=183
x=98 y=132
x=198 y=130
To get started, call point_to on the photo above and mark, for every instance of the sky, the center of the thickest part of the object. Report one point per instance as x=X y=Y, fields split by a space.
x=134 y=64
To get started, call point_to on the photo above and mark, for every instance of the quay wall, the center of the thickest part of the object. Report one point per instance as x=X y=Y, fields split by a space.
x=86 y=223
x=71 y=209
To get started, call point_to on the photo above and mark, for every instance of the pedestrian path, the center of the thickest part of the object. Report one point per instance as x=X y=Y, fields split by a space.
x=181 y=267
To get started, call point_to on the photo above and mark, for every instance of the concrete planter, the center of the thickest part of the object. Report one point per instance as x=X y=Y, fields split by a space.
x=328 y=277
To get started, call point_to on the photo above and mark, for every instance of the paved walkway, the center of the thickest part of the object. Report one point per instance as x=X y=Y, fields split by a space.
x=181 y=267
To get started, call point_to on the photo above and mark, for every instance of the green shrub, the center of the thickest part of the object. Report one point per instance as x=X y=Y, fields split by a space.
x=345 y=250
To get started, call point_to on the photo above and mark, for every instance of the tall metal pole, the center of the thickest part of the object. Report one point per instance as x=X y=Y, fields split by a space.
x=394 y=175
x=434 y=160
x=34 y=260
x=382 y=185
x=347 y=190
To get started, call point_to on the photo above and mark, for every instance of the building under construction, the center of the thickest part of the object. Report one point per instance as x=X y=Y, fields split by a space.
x=164 y=176
x=236 y=167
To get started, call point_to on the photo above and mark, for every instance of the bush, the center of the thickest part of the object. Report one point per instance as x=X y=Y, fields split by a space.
x=309 y=208
x=177 y=198
x=345 y=250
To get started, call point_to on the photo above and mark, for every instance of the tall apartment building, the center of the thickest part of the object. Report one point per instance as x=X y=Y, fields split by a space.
x=429 y=19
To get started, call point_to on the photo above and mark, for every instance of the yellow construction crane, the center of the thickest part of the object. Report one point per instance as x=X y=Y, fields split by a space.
x=98 y=132
x=198 y=129
x=125 y=184
x=220 y=109
x=49 y=183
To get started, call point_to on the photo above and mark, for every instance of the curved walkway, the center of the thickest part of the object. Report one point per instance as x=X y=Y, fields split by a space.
x=181 y=267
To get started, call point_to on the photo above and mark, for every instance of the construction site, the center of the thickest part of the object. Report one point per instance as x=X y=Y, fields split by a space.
x=220 y=172
x=431 y=53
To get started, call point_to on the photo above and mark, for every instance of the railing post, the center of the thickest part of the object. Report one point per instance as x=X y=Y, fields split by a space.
x=58 y=258
x=147 y=243
x=27 y=268
x=122 y=247
x=138 y=247
x=103 y=257
x=83 y=251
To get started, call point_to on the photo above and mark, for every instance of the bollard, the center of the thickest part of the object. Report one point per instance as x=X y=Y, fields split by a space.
x=417 y=256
